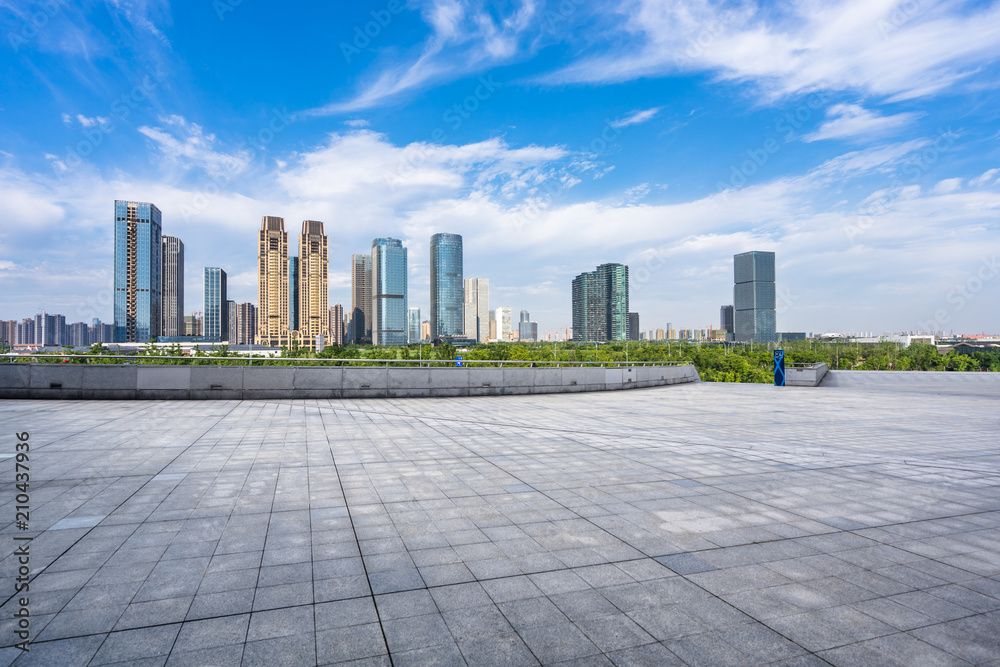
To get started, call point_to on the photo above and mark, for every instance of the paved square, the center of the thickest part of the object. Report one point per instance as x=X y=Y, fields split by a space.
x=698 y=524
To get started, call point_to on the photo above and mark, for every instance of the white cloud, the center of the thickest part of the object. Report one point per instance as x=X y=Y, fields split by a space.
x=947 y=186
x=465 y=37
x=186 y=144
x=886 y=48
x=356 y=122
x=636 y=117
x=850 y=121
x=989 y=176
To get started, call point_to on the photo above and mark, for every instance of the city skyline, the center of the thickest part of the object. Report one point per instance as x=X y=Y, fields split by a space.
x=550 y=136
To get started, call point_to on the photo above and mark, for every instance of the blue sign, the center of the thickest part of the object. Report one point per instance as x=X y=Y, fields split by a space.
x=779 y=368
x=458 y=361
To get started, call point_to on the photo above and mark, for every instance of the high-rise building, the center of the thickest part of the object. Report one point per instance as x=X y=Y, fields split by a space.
x=493 y=324
x=272 y=282
x=600 y=304
x=25 y=332
x=192 y=325
x=45 y=329
x=172 y=291
x=389 y=325
x=726 y=319
x=447 y=289
x=360 y=321
x=413 y=325
x=293 y=293
x=216 y=305
x=754 y=297
x=502 y=314
x=233 y=319
x=336 y=326
x=314 y=282
x=633 y=326
x=425 y=330
x=102 y=333
x=138 y=257
x=246 y=323
x=477 y=309
x=526 y=329
x=79 y=334
x=8 y=331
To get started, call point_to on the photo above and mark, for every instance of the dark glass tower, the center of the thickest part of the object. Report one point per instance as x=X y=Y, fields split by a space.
x=389 y=292
x=138 y=257
x=216 y=326
x=447 y=286
x=754 y=297
x=600 y=304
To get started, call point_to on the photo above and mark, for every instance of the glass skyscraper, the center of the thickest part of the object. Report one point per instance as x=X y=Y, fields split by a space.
x=138 y=258
x=447 y=287
x=216 y=323
x=413 y=325
x=389 y=310
x=600 y=304
x=754 y=297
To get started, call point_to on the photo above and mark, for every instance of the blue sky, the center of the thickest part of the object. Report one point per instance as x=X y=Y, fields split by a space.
x=859 y=140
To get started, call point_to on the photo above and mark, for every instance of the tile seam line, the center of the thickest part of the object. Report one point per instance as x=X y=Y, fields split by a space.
x=972 y=613
x=131 y=495
x=354 y=530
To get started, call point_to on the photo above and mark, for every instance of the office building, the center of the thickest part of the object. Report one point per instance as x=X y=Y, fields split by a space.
x=336 y=325
x=232 y=334
x=272 y=282
x=476 y=309
x=246 y=323
x=503 y=319
x=493 y=325
x=754 y=304
x=526 y=329
x=726 y=319
x=293 y=293
x=425 y=330
x=600 y=304
x=447 y=287
x=216 y=324
x=633 y=326
x=413 y=325
x=389 y=324
x=314 y=283
x=359 y=330
x=172 y=290
x=138 y=257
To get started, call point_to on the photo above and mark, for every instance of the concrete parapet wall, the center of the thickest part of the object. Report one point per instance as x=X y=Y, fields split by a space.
x=807 y=376
x=106 y=381
x=943 y=382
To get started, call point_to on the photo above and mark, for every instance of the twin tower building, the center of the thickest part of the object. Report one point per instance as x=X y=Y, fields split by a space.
x=293 y=302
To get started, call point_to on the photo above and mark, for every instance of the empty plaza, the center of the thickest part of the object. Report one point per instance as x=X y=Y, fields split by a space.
x=696 y=524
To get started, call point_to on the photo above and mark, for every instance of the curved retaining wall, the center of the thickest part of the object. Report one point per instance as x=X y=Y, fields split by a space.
x=106 y=381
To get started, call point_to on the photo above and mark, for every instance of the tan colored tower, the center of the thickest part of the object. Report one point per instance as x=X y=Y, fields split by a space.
x=314 y=283
x=272 y=283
